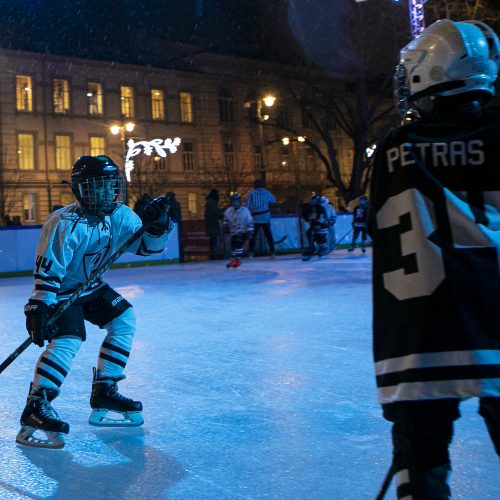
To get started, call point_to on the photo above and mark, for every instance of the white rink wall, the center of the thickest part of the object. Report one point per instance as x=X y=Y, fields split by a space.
x=18 y=245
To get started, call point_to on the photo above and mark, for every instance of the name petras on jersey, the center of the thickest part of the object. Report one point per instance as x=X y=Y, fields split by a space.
x=238 y=221
x=435 y=220
x=73 y=244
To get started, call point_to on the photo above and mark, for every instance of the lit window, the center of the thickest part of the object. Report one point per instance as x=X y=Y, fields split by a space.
x=186 y=103
x=188 y=156
x=63 y=152
x=192 y=203
x=29 y=206
x=97 y=145
x=24 y=93
x=161 y=163
x=94 y=98
x=26 y=151
x=284 y=158
x=229 y=155
x=157 y=104
x=127 y=101
x=61 y=96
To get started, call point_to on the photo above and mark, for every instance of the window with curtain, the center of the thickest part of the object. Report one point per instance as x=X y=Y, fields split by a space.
x=63 y=152
x=157 y=104
x=26 y=151
x=127 y=101
x=94 y=98
x=30 y=207
x=24 y=93
x=61 y=96
x=186 y=104
x=97 y=145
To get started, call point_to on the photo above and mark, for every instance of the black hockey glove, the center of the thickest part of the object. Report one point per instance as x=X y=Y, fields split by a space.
x=37 y=315
x=155 y=215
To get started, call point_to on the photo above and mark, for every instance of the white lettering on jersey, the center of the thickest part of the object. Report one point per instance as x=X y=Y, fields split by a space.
x=437 y=154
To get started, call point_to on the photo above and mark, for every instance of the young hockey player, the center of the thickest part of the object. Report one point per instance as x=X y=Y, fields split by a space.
x=238 y=223
x=74 y=242
x=315 y=214
x=360 y=224
x=435 y=223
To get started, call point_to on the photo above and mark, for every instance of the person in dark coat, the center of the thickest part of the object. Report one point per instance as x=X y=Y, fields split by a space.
x=213 y=217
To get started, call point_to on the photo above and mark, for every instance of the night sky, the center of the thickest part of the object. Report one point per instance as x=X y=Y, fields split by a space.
x=123 y=30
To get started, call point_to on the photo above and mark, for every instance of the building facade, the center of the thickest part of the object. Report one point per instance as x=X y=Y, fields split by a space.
x=54 y=109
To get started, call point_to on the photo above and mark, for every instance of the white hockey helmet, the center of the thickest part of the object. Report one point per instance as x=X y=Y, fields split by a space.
x=448 y=58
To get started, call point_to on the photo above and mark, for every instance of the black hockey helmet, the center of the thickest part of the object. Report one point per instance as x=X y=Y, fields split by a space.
x=97 y=184
x=316 y=199
x=235 y=200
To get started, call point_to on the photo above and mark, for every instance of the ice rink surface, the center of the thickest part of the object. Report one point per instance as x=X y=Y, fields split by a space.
x=257 y=383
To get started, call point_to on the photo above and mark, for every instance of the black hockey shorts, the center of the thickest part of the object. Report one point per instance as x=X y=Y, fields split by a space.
x=99 y=307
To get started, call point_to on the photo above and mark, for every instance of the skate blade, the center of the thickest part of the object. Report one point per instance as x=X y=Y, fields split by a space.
x=38 y=438
x=108 y=418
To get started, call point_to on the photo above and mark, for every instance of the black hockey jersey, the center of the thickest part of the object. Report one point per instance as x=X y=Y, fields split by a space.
x=435 y=222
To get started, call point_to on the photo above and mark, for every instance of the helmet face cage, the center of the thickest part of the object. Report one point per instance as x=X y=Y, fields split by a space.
x=102 y=195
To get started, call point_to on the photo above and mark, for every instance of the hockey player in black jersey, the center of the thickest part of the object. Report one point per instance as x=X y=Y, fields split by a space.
x=314 y=213
x=75 y=241
x=435 y=223
x=360 y=224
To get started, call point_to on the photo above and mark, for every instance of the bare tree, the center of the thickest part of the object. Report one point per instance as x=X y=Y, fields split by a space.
x=459 y=10
x=355 y=48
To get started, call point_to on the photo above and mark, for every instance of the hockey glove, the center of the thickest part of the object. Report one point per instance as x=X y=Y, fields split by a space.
x=156 y=216
x=37 y=316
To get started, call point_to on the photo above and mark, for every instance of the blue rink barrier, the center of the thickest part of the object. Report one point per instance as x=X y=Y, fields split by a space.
x=295 y=230
x=18 y=246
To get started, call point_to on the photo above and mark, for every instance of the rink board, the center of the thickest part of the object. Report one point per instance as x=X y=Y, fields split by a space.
x=18 y=246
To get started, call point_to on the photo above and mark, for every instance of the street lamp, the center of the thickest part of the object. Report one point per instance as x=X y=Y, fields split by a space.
x=122 y=130
x=267 y=101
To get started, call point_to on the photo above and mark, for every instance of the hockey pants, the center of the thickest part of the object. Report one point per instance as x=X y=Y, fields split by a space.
x=237 y=244
x=355 y=235
x=421 y=434
x=55 y=362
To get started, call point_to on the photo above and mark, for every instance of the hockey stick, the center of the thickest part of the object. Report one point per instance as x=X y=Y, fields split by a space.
x=387 y=482
x=281 y=240
x=78 y=292
x=341 y=239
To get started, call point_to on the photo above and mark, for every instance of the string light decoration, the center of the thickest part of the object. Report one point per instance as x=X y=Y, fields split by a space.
x=157 y=146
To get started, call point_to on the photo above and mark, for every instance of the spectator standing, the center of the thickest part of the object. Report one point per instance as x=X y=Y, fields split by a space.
x=258 y=202
x=213 y=217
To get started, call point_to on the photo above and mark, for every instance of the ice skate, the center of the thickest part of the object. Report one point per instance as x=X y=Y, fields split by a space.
x=233 y=263
x=41 y=426
x=110 y=408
